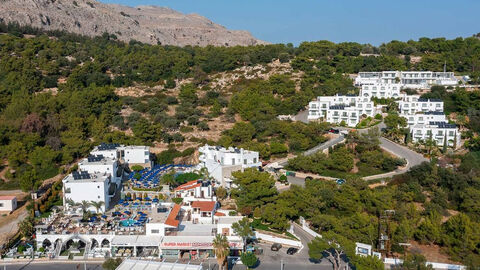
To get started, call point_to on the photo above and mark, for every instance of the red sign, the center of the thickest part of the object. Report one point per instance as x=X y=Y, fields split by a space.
x=194 y=245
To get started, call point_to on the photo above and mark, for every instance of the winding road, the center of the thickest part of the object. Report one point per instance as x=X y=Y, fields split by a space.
x=411 y=157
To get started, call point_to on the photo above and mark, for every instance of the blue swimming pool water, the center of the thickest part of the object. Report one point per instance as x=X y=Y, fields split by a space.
x=127 y=222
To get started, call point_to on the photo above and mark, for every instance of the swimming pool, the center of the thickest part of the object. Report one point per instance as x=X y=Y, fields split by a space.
x=127 y=222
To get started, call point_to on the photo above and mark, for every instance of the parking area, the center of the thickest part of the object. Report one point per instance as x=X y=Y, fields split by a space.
x=270 y=260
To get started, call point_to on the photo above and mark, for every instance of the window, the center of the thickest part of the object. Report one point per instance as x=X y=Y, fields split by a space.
x=233 y=161
x=222 y=161
x=314 y=105
x=451 y=133
x=155 y=231
x=98 y=186
x=245 y=161
x=98 y=197
x=1 y=204
x=254 y=160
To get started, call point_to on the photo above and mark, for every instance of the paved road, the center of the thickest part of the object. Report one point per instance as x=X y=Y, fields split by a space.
x=271 y=260
x=413 y=158
x=53 y=266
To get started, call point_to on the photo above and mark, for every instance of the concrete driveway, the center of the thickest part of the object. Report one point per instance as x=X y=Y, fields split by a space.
x=271 y=260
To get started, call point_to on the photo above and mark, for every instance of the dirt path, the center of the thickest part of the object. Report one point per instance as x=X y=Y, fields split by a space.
x=9 y=223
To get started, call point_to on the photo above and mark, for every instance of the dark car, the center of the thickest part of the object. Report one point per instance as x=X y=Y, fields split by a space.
x=333 y=130
x=276 y=247
x=292 y=251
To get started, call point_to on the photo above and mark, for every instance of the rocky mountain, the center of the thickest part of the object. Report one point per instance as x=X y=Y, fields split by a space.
x=148 y=24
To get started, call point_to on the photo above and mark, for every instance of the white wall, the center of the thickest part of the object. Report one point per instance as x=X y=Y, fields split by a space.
x=8 y=205
x=155 y=226
x=136 y=154
x=274 y=239
x=86 y=190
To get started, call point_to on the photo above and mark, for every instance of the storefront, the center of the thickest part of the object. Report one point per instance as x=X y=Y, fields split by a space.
x=192 y=247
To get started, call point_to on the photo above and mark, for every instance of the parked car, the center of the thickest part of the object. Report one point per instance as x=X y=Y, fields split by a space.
x=340 y=181
x=276 y=247
x=333 y=130
x=292 y=251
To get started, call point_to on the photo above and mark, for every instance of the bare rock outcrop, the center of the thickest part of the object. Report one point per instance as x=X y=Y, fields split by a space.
x=148 y=24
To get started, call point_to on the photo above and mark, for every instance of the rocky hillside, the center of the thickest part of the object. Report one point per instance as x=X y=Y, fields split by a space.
x=148 y=24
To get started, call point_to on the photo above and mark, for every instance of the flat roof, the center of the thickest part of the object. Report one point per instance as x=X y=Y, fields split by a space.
x=90 y=177
x=137 y=240
x=130 y=264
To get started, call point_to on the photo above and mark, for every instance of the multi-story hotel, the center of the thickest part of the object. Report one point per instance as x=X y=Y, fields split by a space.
x=411 y=104
x=348 y=109
x=439 y=132
x=407 y=79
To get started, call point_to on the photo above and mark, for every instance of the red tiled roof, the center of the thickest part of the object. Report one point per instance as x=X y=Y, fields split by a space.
x=172 y=216
x=205 y=206
x=219 y=214
x=188 y=185
x=4 y=198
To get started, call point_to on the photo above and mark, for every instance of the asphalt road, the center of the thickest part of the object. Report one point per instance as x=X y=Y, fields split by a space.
x=271 y=260
x=53 y=266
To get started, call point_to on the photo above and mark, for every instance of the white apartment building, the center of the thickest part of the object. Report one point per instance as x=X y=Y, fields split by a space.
x=424 y=118
x=83 y=186
x=440 y=132
x=101 y=164
x=381 y=90
x=411 y=104
x=335 y=109
x=221 y=162
x=131 y=154
x=408 y=79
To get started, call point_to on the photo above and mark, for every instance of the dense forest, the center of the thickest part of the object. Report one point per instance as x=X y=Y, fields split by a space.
x=58 y=98
x=57 y=92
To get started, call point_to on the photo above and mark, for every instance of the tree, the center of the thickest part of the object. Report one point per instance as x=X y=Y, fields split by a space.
x=84 y=205
x=243 y=229
x=221 y=192
x=221 y=249
x=25 y=227
x=111 y=263
x=415 y=261
x=331 y=246
x=249 y=259
x=136 y=168
x=254 y=189
x=98 y=205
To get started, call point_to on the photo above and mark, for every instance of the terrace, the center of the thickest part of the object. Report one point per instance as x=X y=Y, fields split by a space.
x=149 y=179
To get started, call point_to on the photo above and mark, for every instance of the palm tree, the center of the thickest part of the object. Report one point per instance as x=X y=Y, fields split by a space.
x=221 y=249
x=70 y=202
x=84 y=205
x=98 y=205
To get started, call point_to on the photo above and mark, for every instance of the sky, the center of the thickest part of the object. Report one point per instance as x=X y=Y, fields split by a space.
x=363 y=21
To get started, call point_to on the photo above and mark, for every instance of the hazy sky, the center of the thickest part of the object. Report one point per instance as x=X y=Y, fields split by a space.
x=364 y=21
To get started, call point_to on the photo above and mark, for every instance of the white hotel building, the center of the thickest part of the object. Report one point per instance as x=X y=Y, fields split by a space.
x=380 y=90
x=83 y=186
x=338 y=108
x=411 y=104
x=131 y=154
x=101 y=164
x=408 y=79
x=221 y=162
x=440 y=132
